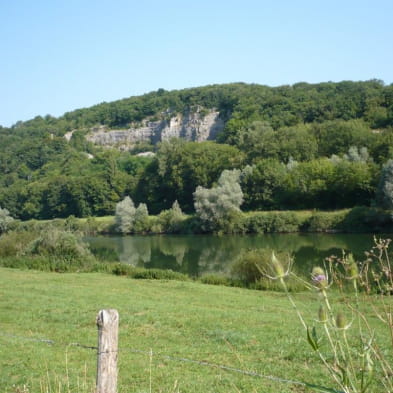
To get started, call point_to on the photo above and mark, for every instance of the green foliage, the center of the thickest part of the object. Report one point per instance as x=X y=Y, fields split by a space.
x=5 y=220
x=180 y=167
x=250 y=267
x=47 y=248
x=122 y=269
x=14 y=243
x=173 y=219
x=125 y=215
x=385 y=186
x=326 y=221
x=141 y=219
x=286 y=134
x=215 y=279
x=262 y=185
x=130 y=219
x=366 y=219
x=216 y=206
x=273 y=222
x=65 y=248
x=337 y=136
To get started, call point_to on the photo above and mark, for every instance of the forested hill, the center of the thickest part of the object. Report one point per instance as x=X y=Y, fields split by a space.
x=301 y=146
x=281 y=106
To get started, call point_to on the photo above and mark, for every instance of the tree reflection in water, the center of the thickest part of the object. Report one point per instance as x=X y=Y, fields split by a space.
x=200 y=254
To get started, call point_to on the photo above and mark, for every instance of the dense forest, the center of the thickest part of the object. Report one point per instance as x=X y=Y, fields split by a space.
x=321 y=146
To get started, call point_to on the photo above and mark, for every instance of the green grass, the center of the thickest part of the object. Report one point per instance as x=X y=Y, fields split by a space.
x=229 y=326
x=240 y=328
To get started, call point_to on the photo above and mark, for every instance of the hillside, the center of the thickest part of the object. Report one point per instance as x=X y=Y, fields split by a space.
x=308 y=145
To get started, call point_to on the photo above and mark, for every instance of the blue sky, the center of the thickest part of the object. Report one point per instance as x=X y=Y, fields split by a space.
x=60 y=55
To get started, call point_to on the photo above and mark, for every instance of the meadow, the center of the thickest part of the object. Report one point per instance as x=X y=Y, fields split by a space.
x=166 y=329
x=175 y=336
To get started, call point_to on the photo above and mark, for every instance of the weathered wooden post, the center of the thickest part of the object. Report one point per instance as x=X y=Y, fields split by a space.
x=108 y=328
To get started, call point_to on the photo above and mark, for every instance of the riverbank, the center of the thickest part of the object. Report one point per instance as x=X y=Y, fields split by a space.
x=357 y=219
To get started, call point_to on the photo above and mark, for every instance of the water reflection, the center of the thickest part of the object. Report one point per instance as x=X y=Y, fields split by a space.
x=200 y=254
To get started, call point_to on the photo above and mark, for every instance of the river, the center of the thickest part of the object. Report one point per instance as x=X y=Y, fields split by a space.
x=196 y=255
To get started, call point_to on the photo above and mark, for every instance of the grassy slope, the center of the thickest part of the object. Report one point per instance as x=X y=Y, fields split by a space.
x=245 y=329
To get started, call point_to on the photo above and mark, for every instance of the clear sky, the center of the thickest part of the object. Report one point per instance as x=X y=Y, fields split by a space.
x=60 y=55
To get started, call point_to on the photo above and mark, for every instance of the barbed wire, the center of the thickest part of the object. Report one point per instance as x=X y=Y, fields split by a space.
x=173 y=358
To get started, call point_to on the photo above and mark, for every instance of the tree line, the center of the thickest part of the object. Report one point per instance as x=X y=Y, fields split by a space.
x=320 y=146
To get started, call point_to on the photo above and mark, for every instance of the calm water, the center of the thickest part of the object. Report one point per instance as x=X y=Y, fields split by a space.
x=199 y=254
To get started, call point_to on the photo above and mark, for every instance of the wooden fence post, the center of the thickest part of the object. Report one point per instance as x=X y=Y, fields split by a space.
x=108 y=327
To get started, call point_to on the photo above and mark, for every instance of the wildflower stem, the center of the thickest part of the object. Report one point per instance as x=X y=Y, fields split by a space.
x=284 y=285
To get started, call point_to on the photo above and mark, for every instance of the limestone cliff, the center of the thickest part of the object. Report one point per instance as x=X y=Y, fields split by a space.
x=195 y=126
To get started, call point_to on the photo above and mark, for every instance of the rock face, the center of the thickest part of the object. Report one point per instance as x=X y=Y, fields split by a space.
x=192 y=126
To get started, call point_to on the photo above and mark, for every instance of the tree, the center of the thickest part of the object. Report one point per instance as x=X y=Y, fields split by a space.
x=5 y=220
x=258 y=140
x=172 y=219
x=216 y=206
x=262 y=184
x=337 y=136
x=180 y=167
x=125 y=215
x=385 y=187
x=141 y=218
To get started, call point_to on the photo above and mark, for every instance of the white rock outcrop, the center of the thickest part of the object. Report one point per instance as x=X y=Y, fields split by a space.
x=192 y=126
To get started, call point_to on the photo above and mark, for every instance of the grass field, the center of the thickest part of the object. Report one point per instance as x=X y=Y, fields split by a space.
x=178 y=321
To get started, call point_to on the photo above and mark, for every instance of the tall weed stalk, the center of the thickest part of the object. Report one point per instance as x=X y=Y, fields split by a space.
x=353 y=332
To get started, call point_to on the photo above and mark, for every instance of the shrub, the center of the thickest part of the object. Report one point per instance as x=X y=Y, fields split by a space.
x=14 y=243
x=158 y=274
x=365 y=219
x=269 y=222
x=5 y=220
x=172 y=220
x=325 y=221
x=253 y=266
x=215 y=279
x=147 y=274
x=65 y=250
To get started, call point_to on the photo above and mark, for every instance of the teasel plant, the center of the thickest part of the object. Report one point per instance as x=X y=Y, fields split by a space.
x=345 y=337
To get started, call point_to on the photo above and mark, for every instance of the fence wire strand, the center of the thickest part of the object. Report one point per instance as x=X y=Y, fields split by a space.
x=167 y=357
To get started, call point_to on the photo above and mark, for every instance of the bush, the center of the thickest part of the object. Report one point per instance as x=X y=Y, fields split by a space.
x=269 y=222
x=172 y=220
x=325 y=221
x=253 y=265
x=14 y=243
x=365 y=219
x=65 y=250
x=215 y=279
x=5 y=220
x=157 y=274
x=147 y=274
